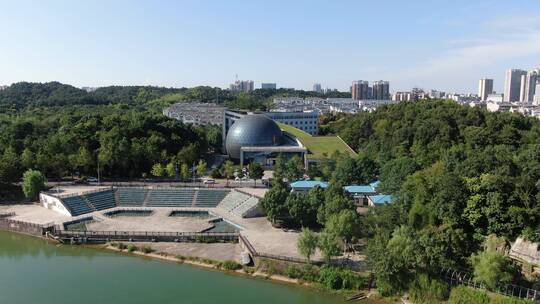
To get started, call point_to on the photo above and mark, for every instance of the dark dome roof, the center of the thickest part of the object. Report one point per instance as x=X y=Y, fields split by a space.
x=254 y=130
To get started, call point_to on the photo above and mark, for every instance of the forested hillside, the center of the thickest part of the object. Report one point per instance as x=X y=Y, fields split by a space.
x=460 y=174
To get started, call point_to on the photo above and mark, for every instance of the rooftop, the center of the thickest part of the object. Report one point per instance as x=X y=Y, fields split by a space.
x=381 y=199
x=308 y=184
x=318 y=146
x=360 y=189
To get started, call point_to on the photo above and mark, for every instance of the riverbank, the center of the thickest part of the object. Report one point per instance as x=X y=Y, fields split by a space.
x=228 y=266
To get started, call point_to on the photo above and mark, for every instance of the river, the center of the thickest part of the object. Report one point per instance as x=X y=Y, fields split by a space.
x=33 y=270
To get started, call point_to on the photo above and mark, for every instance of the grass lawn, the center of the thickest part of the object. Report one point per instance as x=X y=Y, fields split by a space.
x=317 y=145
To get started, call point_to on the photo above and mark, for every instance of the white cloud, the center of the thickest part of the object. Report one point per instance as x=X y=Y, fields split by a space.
x=501 y=40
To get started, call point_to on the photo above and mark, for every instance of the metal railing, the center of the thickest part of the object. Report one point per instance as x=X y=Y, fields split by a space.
x=75 y=233
x=458 y=277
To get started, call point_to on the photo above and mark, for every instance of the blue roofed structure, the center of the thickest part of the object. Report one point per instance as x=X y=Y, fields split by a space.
x=355 y=189
x=306 y=185
x=375 y=184
x=380 y=199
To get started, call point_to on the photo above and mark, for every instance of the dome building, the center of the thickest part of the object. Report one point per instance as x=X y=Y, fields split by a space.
x=257 y=138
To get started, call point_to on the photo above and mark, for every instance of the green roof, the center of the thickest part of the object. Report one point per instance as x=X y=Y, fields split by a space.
x=317 y=145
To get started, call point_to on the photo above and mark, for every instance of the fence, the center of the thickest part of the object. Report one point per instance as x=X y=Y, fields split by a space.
x=143 y=236
x=457 y=277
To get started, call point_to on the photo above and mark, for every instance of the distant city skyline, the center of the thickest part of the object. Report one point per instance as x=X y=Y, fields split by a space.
x=191 y=43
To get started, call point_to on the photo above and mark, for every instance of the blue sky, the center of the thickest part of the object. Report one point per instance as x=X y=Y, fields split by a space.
x=445 y=45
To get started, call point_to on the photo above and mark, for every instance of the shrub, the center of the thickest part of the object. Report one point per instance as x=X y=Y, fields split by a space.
x=426 y=290
x=337 y=278
x=131 y=248
x=122 y=246
x=230 y=265
x=215 y=173
x=492 y=269
x=308 y=273
x=465 y=295
x=249 y=270
x=146 y=249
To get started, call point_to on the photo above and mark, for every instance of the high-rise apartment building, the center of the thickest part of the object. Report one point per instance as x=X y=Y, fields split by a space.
x=317 y=88
x=242 y=86
x=269 y=86
x=359 y=90
x=512 y=84
x=485 y=87
x=381 y=90
x=528 y=86
x=536 y=99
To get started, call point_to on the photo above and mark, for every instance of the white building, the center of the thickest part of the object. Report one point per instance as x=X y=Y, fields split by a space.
x=497 y=98
x=512 y=84
x=528 y=86
x=485 y=87
x=536 y=100
x=307 y=121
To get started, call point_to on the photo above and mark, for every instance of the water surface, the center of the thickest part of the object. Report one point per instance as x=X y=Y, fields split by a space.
x=35 y=271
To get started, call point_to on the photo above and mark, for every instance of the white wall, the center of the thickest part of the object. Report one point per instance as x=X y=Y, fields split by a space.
x=53 y=203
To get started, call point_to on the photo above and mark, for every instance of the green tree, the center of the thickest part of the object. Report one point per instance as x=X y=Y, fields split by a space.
x=329 y=246
x=255 y=171
x=188 y=154
x=303 y=207
x=170 y=169
x=33 y=183
x=184 y=172
x=294 y=169
x=307 y=243
x=280 y=168
x=492 y=269
x=9 y=167
x=394 y=172
x=274 y=200
x=201 y=168
x=158 y=170
x=83 y=160
x=335 y=201
x=345 y=224
x=28 y=159
x=228 y=170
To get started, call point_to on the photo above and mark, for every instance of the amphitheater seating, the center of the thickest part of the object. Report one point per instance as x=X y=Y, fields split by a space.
x=210 y=198
x=131 y=197
x=245 y=206
x=233 y=199
x=77 y=205
x=101 y=200
x=170 y=197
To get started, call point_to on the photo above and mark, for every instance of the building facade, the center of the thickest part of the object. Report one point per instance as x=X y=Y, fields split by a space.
x=317 y=88
x=381 y=90
x=307 y=121
x=485 y=87
x=196 y=113
x=360 y=90
x=242 y=86
x=536 y=100
x=528 y=86
x=512 y=84
x=269 y=86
